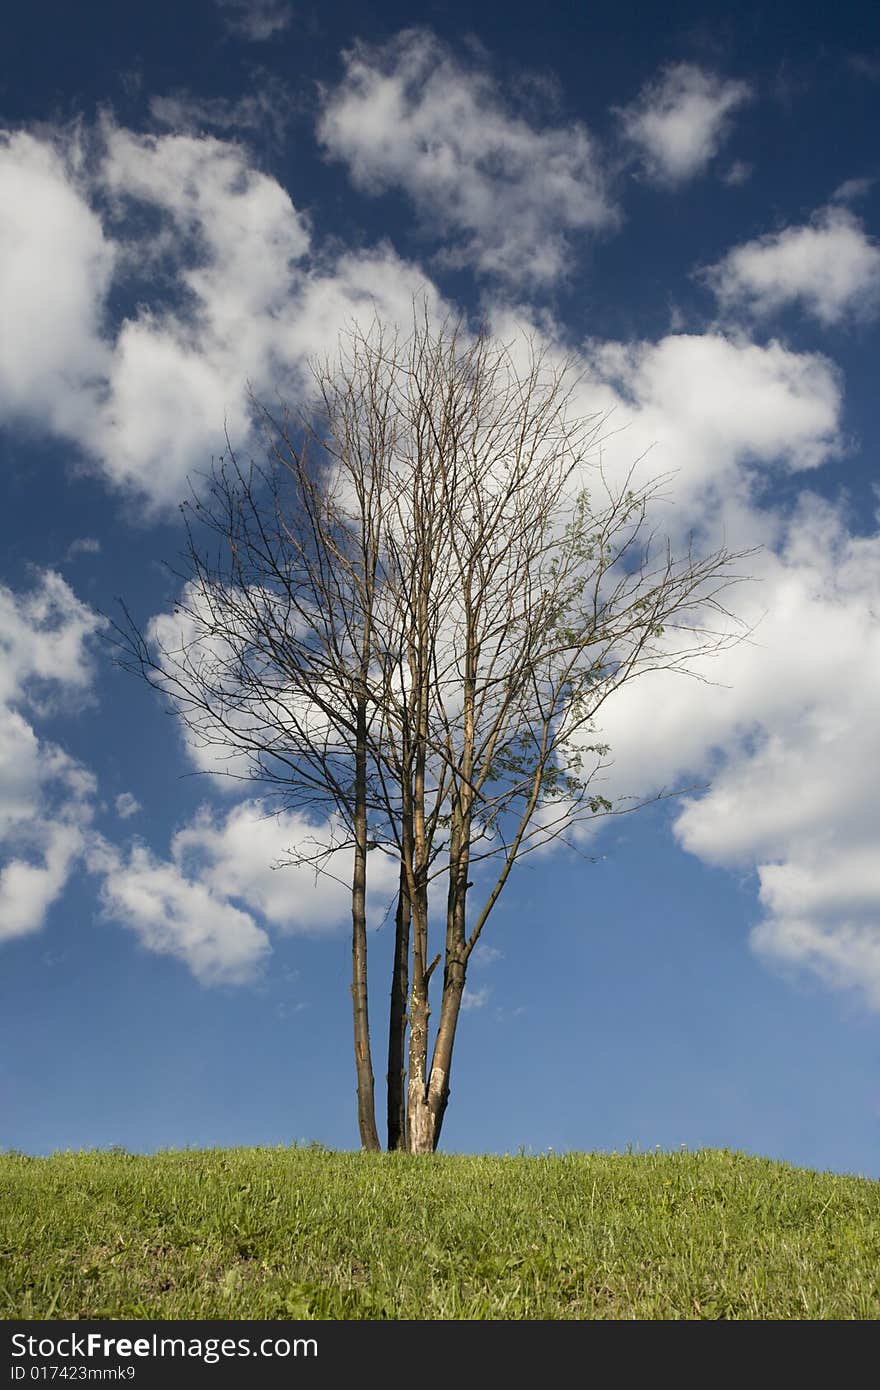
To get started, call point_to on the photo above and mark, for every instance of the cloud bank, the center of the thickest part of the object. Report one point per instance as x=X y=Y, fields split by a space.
x=237 y=287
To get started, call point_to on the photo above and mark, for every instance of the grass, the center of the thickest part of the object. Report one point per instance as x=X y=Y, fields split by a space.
x=306 y=1233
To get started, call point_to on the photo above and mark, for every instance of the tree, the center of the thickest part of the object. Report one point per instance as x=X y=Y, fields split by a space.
x=415 y=614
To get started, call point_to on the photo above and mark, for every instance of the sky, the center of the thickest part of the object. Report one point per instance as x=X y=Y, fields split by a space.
x=199 y=198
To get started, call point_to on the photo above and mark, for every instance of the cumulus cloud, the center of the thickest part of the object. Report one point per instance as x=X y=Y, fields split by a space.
x=45 y=795
x=52 y=350
x=231 y=876
x=679 y=121
x=255 y=20
x=408 y=115
x=718 y=412
x=845 y=954
x=715 y=413
x=784 y=732
x=127 y=805
x=235 y=289
x=195 y=637
x=803 y=803
x=724 y=416
x=29 y=887
x=227 y=287
x=830 y=268
x=44 y=640
x=176 y=916
x=787 y=739
x=232 y=237
x=227 y=878
x=238 y=854
x=778 y=739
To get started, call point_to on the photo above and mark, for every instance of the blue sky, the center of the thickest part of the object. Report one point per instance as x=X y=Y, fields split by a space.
x=194 y=197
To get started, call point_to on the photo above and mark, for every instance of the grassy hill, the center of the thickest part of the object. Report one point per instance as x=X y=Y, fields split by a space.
x=291 y=1233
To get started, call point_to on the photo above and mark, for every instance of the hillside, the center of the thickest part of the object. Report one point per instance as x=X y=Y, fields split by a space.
x=302 y=1232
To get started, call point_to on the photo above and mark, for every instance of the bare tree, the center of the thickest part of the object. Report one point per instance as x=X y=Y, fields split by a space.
x=417 y=610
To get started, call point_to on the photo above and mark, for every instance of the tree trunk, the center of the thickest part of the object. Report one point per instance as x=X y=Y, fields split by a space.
x=419 y=1125
x=419 y=1120
x=441 y=1064
x=366 y=1103
x=456 y=963
x=427 y=1103
x=397 y=1023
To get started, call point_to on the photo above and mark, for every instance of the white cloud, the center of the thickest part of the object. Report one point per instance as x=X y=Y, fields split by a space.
x=176 y=916
x=715 y=413
x=789 y=734
x=195 y=625
x=474 y=999
x=718 y=411
x=264 y=110
x=20 y=761
x=83 y=545
x=739 y=173
x=678 y=121
x=724 y=415
x=849 y=883
x=852 y=189
x=51 y=349
x=236 y=856
x=28 y=888
x=232 y=238
x=45 y=795
x=34 y=775
x=845 y=955
x=356 y=286
x=408 y=115
x=207 y=905
x=485 y=955
x=233 y=294
x=789 y=741
x=237 y=218
x=127 y=805
x=786 y=734
x=256 y=20
x=830 y=267
x=44 y=641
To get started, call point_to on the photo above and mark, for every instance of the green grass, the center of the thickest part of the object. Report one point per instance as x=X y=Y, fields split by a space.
x=305 y=1233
